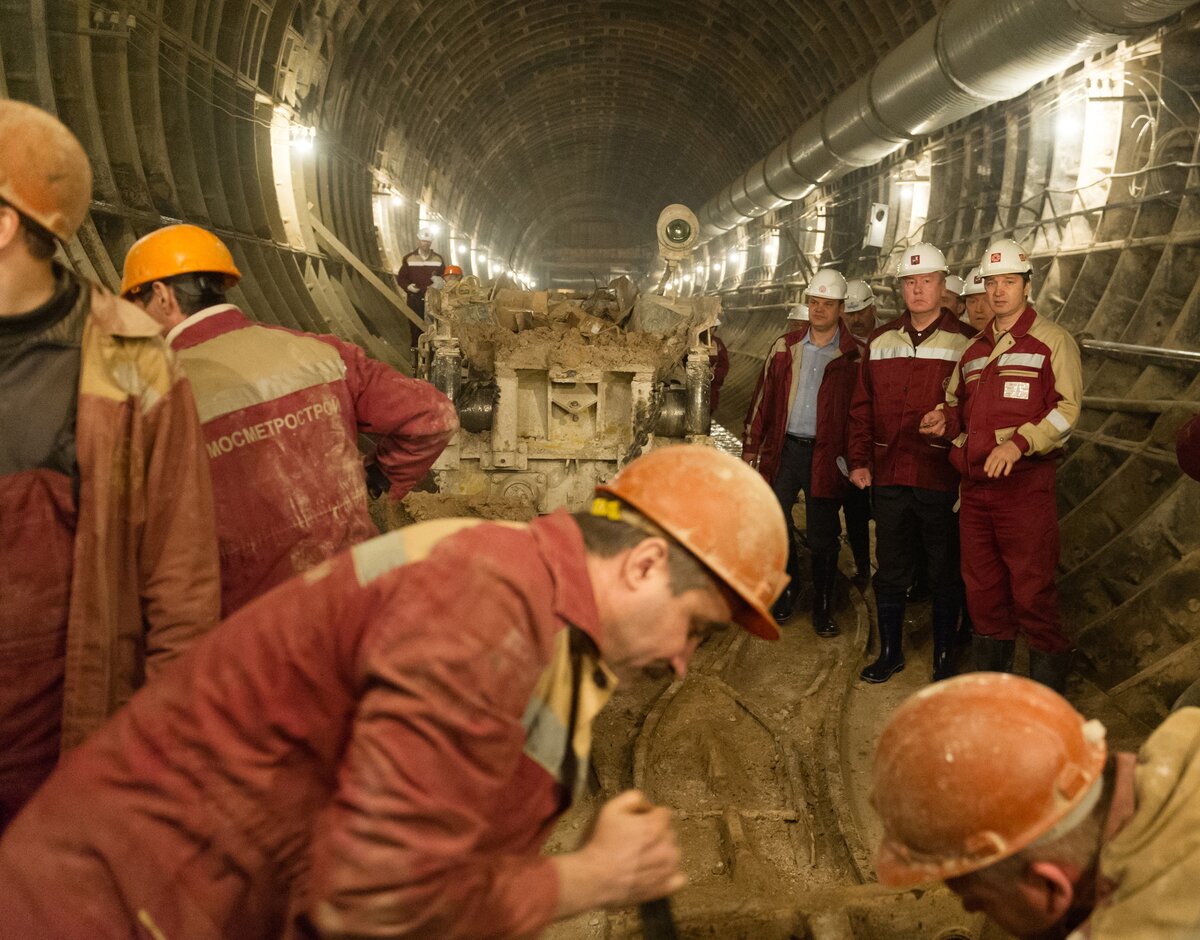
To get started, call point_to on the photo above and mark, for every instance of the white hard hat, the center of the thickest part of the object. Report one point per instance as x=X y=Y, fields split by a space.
x=955 y=284
x=921 y=258
x=973 y=283
x=424 y=235
x=859 y=296
x=798 y=312
x=827 y=283
x=1004 y=257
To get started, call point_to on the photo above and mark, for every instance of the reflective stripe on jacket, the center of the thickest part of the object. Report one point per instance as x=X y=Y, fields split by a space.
x=419 y=271
x=899 y=383
x=282 y=411
x=774 y=395
x=1025 y=385
x=379 y=745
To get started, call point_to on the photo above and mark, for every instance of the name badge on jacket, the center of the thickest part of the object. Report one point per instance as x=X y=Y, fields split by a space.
x=1016 y=390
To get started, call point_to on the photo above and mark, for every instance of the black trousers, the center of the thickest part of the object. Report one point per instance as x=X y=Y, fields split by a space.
x=416 y=303
x=856 y=507
x=795 y=474
x=899 y=512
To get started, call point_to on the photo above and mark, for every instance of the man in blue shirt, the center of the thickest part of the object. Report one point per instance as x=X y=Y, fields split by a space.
x=796 y=434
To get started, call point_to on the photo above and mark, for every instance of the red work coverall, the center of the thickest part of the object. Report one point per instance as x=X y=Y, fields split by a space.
x=282 y=411
x=1024 y=385
x=378 y=745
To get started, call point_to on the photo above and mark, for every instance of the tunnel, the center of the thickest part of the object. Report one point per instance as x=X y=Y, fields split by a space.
x=539 y=140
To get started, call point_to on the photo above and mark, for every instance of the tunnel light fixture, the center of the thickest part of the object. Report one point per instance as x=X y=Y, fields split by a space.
x=397 y=199
x=302 y=138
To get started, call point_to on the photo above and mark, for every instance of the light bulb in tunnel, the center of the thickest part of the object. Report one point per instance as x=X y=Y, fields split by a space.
x=1068 y=125
x=397 y=199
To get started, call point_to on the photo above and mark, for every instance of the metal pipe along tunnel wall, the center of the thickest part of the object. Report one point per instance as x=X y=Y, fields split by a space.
x=188 y=110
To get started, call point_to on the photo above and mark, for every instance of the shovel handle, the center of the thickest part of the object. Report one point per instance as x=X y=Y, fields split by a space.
x=658 y=923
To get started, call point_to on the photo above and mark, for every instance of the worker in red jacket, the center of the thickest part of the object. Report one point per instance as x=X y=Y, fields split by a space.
x=418 y=268
x=381 y=746
x=282 y=411
x=909 y=361
x=108 y=556
x=1009 y=410
x=796 y=434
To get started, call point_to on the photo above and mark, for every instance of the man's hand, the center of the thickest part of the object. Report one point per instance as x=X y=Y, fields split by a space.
x=632 y=856
x=1000 y=461
x=861 y=477
x=934 y=424
x=413 y=289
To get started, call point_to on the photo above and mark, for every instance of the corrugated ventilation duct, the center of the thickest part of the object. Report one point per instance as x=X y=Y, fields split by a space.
x=971 y=55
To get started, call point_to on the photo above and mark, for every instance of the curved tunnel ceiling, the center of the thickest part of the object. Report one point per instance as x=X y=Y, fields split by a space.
x=552 y=115
x=566 y=126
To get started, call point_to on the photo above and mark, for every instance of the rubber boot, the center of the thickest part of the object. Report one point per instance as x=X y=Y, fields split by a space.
x=966 y=629
x=862 y=570
x=945 y=637
x=783 y=607
x=891 y=630
x=1050 y=669
x=919 y=590
x=824 y=568
x=992 y=655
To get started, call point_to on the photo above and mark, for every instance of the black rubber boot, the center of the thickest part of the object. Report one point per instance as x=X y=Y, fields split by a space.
x=824 y=568
x=966 y=629
x=918 y=591
x=1050 y=669
x=945 y=637
x=993 y=655
x=862 y=570
x=891 y=630
x=786 y=604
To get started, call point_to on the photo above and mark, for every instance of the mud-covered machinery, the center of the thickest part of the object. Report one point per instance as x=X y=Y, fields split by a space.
x=557 y=390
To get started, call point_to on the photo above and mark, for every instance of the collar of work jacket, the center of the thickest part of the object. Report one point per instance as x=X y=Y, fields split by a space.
x=1019 y=329
x=205 y=325
x=561 y=544
x=946 y=320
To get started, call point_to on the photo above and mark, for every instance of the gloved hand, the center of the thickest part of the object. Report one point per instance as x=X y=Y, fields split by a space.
x=413 y=289
x=377 y=481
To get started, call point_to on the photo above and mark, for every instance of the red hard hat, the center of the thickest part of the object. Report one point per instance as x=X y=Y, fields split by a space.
x=974 y=769
x=452 y=269
x=723 y=512
x=1187 y=448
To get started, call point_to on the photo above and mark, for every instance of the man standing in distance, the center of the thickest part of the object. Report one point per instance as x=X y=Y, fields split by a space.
x=417 y=271
x=909 y=362
x=1009 y=411
x=796 y=434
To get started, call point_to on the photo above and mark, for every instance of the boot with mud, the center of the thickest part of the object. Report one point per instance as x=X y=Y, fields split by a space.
x=945 y=637
x=824 y=568
x=891 y=629
x=1050 y=669
x=992 y=655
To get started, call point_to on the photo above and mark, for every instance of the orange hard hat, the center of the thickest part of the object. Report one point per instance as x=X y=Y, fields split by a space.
x=452 y=269
x=44 y=173
x=974 y=769
x=723 y=512
x=176 y=249
x=1187 y=447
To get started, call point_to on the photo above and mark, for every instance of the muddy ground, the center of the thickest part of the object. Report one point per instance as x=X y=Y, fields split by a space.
x=763 y=752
